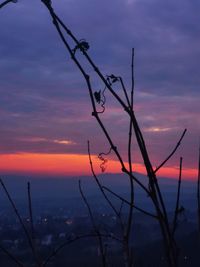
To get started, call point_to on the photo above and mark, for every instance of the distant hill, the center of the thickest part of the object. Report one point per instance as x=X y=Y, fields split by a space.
x=67 y=187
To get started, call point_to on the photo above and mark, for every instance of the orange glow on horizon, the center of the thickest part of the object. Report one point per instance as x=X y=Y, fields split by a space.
x=51 y=164
x=72 y=165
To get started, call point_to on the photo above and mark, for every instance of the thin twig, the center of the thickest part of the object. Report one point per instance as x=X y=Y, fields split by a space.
x=20 y=220
x=177 y=208
x=88 y=207
x=99 y=183
x=129 y=203
x=121 y=207
x=30 y=211
x=92 y=63
x=12 y=257
x=125 y=91
x=32 y=224
x=173 y=151
x=5 y=3
x=99 y=237
x=132 y=77
x=74 y=239
x=198 y=193
x=130 y=215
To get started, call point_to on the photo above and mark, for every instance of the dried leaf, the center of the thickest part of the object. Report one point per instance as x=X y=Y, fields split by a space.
x=97 y=96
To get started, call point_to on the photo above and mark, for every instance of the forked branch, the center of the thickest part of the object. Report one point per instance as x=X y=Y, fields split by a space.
x=129 y=203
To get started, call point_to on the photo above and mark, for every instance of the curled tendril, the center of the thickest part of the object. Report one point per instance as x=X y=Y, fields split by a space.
x=100 y=99
x=103 y=159
x=100 y=96
x=83 y=46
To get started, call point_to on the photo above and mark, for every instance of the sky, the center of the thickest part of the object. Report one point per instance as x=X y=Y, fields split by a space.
x=45 y=110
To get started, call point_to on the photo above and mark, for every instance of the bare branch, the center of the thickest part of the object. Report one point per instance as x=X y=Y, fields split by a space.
x=137 y=181
x=101 y=245
x=177 y=208
x=98 y=182
x=121 y=207
x=198 y=192
x=154 y=190
x=93 y=65
x=87 y=78
x=56 y=19
x=7 y=2
x=155 y=194
x=32 y=225
x=20 y=220
x=74 y=239
x=12 y=257
x=132 y=77
x=88 y=207
x=173 y=151
x=30 y=211
x=127 y=202
x=130 y=215
x=125 y=91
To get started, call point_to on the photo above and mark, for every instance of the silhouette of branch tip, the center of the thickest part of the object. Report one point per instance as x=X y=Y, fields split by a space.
x=7 y=2
x=173 y=151
x=178 y=209
x=47 y=2
x=12 y=257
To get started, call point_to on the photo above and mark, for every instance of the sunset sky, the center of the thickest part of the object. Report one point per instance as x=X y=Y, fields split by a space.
x=45 y=112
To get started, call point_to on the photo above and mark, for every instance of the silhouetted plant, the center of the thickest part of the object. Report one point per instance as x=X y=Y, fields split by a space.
x=152 y=190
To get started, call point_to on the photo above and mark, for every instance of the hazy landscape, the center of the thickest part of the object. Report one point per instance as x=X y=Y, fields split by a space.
x=60 y=213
